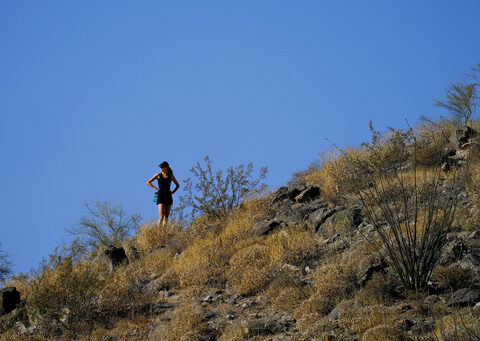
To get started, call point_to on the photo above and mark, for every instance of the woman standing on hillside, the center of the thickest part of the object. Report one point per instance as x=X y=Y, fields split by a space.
x=164 y=199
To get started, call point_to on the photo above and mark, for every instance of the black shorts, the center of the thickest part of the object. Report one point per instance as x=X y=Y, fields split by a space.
x=164 y=198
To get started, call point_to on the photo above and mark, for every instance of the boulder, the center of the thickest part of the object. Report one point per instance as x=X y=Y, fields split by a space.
x=9 y=299
x=366 y=273
x=318 y=217
x=310 y=207
x=464 y=134
x=285 y=192
x=340 y=221
x=308 y=194
x=453 y=252
x=264 y=227
x=465 y=297
x=116 y=255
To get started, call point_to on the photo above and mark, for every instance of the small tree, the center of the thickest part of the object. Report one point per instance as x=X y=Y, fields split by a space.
x=4 y=264
x=216 y=195
x=462 y=98
x=461 y=101
x=105 y=223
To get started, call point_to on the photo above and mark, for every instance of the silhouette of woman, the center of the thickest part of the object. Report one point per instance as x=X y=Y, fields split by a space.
x=164 y=199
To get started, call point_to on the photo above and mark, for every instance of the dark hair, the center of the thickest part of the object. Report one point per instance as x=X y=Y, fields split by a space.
x=165 y=164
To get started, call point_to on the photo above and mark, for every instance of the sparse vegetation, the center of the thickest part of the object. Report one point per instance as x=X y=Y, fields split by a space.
x=215 y=194
x=104 y=223
x=217 y=276
x=4 y=264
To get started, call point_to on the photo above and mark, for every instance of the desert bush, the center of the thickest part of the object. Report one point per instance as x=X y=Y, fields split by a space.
x=122 y=291
x=64 y=292
x=104 y=223
x=4 y=264
x=461 y=100
x=410 y=214
x=216 y=195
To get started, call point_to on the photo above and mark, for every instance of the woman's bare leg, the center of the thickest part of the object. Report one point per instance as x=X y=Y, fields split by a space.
x=161 y=213
x=167 y=213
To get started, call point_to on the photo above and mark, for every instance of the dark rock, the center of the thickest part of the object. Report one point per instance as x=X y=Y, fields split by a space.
x=134 y=254
x=341 y=221
x=289 y=217
x=154 y=286
x=308 y=194
x=308 y=208
x=465 y=297
x=453 y=252
x=319 y=217
x=264 y=227
x=9 y=299
x=366 y=274
x=285 y=192
x=464 y=134
x=446 y=167
x=116 y=255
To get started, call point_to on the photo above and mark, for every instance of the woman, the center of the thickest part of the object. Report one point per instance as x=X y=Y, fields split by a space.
x=164 y=199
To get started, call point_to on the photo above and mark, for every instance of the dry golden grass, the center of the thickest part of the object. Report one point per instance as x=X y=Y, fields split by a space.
x=313 y=325
x=149 y=235
x=453 y=277
x=186 y=325
x=294 y=245
x=470 y=218
x=249 y=270
x=206 y=259
x=233 y=332
x=332 y=174
x=122 y=291
x=287 y=294
x=137 y=326
x=383 y=332
x=461 y=325
x=432 y=139
x=358 y=319
x=334 y=282
x=380 y=289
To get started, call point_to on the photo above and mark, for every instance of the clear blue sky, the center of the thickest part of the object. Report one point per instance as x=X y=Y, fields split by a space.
x=95 y=94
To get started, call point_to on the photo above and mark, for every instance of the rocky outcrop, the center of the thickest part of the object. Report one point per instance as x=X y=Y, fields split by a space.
x=116 y=255
x=292 y=205
x=9 y=298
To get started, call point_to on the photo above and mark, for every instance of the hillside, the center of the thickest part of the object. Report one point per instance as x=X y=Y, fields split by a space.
x=302 y=262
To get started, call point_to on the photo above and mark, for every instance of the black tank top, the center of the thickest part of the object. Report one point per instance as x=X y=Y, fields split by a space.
x=164 y=183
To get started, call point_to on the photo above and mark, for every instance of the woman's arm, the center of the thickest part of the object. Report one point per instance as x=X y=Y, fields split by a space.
x=149 y=182
x=177 y=186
